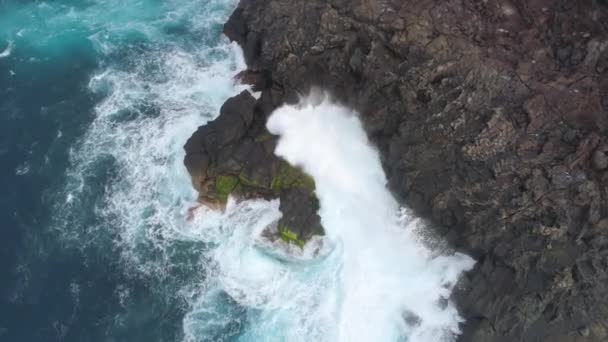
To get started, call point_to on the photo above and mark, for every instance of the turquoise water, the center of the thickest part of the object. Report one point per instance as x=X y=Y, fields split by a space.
x=96 y=100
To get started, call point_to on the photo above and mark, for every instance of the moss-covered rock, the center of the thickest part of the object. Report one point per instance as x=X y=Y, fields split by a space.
x=224 y=186
x=234 y=155
x=290 y=236
x=288 y=177
x=299 y=208
x=252 y=179
x=264 y=137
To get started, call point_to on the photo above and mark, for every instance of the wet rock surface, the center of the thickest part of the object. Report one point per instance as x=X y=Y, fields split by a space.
x=234 y=156
x=491 y=118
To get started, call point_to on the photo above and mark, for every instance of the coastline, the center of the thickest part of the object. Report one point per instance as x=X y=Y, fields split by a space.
x=490 y=124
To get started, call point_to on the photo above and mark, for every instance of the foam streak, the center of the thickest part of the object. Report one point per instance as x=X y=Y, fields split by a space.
x=7 y=52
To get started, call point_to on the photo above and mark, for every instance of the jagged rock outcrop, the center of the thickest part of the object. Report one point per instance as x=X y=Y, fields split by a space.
x=234 y=155
x=491 y=118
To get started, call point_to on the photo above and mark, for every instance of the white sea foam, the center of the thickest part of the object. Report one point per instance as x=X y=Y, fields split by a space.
x=7 y=51
x=22 y=169
x=141 y=127
x=127 y=169
x=385 y=273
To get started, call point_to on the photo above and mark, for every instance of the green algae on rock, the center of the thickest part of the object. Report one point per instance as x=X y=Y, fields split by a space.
x=291 y=177
x=234 y=156
x=224 y=185
x=289 y=236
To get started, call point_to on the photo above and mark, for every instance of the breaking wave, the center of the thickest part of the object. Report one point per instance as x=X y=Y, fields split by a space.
x=127 y=193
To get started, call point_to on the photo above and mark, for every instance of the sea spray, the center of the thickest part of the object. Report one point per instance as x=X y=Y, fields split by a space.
x=390 y=285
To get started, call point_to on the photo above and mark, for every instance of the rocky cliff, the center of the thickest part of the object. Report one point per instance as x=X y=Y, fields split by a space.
x=234 y=156
x=491 y=118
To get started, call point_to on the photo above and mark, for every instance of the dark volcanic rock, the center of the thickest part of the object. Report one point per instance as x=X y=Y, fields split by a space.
x=234 y=155
x=259 y=80
x=491 y=118
x=204 y=147
x=299 y=210
x=236 y=28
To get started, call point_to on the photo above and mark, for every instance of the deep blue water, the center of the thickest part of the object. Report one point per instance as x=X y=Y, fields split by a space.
x=64 y=258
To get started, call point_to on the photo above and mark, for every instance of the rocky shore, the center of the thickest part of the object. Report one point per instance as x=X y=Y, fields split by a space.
x=234 y=156
x=491 y=118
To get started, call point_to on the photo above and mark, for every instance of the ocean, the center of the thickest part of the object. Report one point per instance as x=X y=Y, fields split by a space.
x=96 y=100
